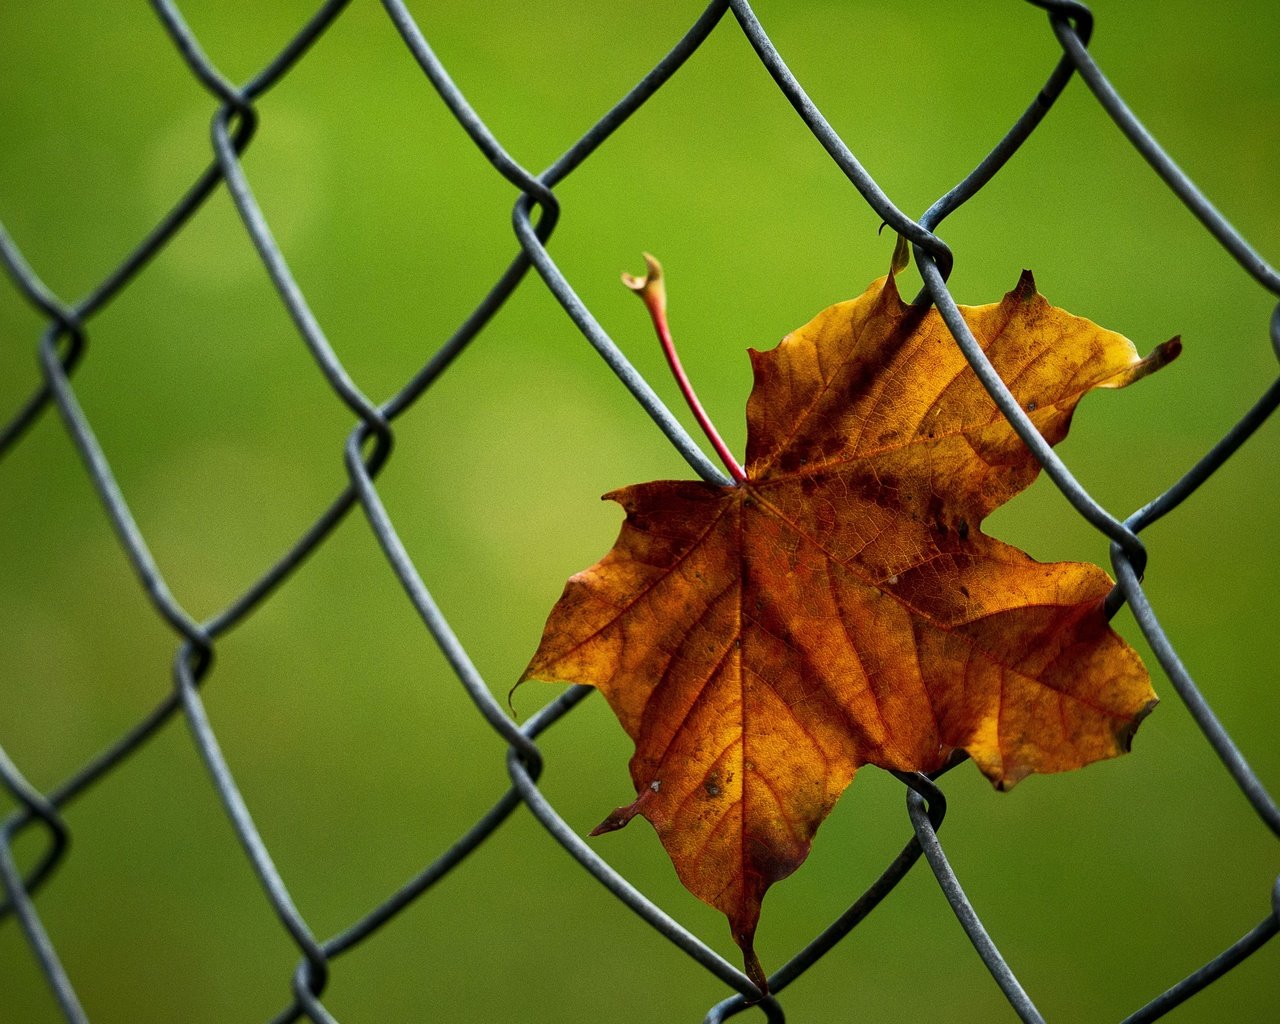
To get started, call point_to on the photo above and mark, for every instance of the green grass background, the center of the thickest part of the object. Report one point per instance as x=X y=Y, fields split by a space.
x=357 y=751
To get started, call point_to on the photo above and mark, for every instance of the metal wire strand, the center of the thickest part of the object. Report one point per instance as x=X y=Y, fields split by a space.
x=17 y=890
x=936 y=809
x=1017 y=997
x=1196 y=981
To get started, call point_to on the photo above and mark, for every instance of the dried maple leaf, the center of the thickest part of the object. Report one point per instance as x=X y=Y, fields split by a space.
x=839 y=605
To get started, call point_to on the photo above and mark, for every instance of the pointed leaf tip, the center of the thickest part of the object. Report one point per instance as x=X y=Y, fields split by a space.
x=616 y=819
x=1026 y=287
x=751 y=963
x=1164 y=353
x=1127 y=730
x=1160 y=356
x=901 y=255
x=620 y=817
x=889 y=296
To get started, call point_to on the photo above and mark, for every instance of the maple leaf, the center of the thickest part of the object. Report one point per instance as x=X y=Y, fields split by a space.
x=839 y=605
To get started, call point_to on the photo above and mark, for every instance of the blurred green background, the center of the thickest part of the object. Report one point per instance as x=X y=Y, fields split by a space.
x=357 y=751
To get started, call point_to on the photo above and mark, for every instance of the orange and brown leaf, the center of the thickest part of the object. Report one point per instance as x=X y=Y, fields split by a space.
x=842 y=607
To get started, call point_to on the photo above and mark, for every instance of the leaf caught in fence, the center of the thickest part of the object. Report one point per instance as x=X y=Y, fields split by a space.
x=840 y=605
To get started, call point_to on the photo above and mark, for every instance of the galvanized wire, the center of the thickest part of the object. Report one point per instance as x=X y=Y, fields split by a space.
x=64 y=343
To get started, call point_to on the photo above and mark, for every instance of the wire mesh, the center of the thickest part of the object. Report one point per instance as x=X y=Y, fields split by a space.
x=64 y=344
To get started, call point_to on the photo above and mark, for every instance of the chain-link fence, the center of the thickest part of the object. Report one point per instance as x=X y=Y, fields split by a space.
x=64 y=344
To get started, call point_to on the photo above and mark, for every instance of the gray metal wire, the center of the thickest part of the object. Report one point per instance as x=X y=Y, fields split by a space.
x=64 y=343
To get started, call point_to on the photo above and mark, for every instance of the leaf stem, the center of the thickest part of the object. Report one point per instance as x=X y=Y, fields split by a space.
x=654 y=295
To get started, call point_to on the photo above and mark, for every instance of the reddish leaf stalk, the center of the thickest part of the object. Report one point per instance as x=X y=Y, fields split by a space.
x=654 y=295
